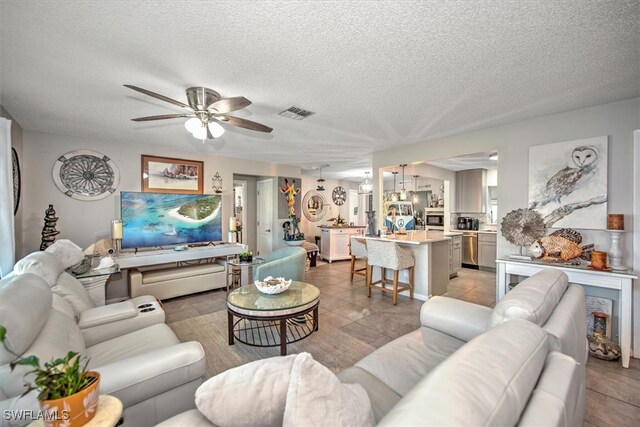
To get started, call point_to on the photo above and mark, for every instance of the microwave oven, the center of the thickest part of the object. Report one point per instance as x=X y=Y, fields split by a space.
x=434 y=219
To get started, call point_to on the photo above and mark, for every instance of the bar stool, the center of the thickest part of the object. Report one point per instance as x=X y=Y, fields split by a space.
x=358 y=249
x=389 y=255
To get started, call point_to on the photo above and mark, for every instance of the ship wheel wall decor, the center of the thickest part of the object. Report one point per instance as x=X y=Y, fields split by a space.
x=86 y=175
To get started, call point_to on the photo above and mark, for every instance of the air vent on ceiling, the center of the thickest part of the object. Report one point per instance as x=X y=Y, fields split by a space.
x=296 y=113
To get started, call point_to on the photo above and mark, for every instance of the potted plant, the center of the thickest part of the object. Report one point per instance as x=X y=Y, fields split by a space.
x=68 y=393
x=338 y=221
x=246 y=256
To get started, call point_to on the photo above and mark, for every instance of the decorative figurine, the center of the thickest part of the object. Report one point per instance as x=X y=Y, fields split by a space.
x=49 y=231
x=561 y=246
x=599 y=345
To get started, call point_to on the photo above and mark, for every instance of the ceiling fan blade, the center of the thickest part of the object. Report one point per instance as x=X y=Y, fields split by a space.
x=229 y=104
x=162 y=117
x=209 y=135
x=158 y=96
x=244 y=123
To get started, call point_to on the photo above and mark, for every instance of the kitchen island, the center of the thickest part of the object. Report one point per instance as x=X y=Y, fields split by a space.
x=334 y=243
x=430 y=251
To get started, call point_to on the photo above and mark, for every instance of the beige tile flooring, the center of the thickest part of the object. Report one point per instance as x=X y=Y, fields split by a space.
x=613 y=393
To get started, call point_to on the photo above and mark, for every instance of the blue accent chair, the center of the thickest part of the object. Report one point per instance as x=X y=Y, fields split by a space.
x=287 y=262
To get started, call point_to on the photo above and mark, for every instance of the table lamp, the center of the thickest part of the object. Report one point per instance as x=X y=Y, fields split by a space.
x=116 y=234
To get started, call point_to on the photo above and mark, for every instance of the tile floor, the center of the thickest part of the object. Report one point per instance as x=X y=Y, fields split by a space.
x=613 y=393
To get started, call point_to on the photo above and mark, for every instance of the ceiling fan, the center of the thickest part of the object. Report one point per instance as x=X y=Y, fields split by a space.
x=206 y=109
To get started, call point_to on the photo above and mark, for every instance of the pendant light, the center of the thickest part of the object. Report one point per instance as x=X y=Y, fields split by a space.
x=415 y=186
x=366 y=186
x=403 y=192
x=394 y=195
x=320 y=181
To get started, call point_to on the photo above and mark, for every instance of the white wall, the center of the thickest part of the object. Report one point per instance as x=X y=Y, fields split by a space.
x=616 y=120
x=86 y=222
x=311 y=229
x=16 y=142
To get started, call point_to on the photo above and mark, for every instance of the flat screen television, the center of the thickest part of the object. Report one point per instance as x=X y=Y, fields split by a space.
x=162 y=219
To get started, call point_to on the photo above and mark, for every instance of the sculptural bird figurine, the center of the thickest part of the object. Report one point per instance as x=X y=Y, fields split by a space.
x=567 y=179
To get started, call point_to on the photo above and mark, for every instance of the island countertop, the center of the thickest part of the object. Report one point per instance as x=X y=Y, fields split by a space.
x=343 y=226
x=413 y=237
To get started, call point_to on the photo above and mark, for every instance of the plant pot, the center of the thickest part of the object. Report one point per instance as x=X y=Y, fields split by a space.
x=75 y=410
x=248 y=258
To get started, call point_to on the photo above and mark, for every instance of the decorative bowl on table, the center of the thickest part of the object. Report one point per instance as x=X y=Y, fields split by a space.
x=272 y=286
x=295 y=242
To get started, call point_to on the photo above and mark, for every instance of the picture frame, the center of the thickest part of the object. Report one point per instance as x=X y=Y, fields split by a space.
x=171 y=175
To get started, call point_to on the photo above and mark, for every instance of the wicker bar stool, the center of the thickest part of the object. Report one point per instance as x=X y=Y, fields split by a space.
x=358 y=249
x=389 y=255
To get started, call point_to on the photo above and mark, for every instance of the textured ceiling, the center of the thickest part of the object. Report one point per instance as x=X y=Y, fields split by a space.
x=377 y=74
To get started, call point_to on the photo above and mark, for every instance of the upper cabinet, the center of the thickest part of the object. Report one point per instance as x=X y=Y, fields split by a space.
x=471 y=191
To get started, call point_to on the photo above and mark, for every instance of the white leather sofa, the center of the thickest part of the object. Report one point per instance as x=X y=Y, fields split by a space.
x=174 y=282
x=97 y=323
x=521 y=363
x=149 y=370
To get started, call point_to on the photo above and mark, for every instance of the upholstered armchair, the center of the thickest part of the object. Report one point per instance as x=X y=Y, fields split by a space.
x=287 y=262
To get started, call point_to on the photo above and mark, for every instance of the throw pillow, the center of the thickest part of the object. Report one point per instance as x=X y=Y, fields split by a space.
x=67 y=252
x=69 y=288
x=42 y=264
x=317 y=397
x=249 y=395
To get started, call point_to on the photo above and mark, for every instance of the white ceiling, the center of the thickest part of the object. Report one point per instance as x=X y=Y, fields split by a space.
x=377 y=74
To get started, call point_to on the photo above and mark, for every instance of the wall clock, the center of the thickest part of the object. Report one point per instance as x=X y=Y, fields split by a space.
x=339 y=196
x=86 y=175
x=16 y=180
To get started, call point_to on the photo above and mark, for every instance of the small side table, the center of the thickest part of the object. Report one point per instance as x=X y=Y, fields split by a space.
x=240 y=269
x=107 y=415
x=95 y=281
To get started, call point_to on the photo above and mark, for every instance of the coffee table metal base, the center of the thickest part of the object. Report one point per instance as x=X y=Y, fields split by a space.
x=263 y=331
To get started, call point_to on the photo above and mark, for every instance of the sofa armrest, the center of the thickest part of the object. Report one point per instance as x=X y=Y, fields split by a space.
x=141 y=377
x=107 y=314
x=460 y=319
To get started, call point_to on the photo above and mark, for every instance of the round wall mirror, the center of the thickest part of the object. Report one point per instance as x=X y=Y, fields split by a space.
x=314 y=206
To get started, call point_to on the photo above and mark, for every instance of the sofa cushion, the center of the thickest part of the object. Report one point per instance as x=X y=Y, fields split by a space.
x=70 y=288
x=43 y=264
x=331 y=404
x=566 y=326
x=382 y=398
x=491 y=377
x=67 y=252
x=534 y=299
x=131 y=344
x=251 y=394
x=23 y=326
x=553 y=402
x=401 y=363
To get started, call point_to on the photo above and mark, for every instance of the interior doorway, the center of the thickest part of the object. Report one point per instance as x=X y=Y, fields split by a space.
x=265 y=216
x=240 y=210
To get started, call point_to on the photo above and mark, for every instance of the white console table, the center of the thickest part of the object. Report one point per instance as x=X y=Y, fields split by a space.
x=619 y=281
x=165 y=256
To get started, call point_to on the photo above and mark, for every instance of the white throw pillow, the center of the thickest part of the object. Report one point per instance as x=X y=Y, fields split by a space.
x=42 y=264
x=67 y=252
x=249 y=395
x=69 y=288
x=316 y=397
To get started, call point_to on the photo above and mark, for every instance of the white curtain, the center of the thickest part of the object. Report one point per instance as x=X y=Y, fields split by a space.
x=7 y=234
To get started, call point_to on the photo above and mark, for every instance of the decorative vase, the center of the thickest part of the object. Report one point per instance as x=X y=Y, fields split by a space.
x=615 y=251
x=599 y=345
x=75 y=410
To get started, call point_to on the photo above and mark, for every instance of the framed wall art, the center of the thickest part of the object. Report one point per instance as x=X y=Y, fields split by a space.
x=86 y=175
x=568 y=183
x=169 y=175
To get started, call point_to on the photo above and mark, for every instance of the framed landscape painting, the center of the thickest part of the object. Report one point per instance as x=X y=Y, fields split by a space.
x=168 y=175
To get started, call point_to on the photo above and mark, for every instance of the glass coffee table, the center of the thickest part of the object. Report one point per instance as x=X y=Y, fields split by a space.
x=272 y=320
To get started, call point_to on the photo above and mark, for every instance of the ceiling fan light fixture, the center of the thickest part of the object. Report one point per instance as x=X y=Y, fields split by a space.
x=215 y=129
x=200 y=133
x=193 y=125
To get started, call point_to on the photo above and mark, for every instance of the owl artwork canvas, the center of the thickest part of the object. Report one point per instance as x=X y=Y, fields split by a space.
x=568 y=183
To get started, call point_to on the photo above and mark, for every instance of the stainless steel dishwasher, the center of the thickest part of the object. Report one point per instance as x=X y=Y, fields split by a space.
x=470 y=250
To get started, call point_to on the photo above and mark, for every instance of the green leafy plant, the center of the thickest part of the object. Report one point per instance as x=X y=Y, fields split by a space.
x=246 y=254
x=338 y=220
x=58 y=378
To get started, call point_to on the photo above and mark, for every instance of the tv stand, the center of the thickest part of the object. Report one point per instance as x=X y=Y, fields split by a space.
x=137 y=259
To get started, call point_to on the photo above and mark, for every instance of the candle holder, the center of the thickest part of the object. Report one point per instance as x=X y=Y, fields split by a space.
x=116 y=234
x=615 y=251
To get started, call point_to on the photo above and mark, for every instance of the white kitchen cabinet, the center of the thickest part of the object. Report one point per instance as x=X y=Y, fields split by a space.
x=335 y=242
x=487 y=250
x=455 y=255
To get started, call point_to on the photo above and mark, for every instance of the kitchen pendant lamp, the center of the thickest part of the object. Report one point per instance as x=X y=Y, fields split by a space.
x=394 y=195
x=366 y=186
x=415 y=188
x=320 y=181
x=403 y=192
